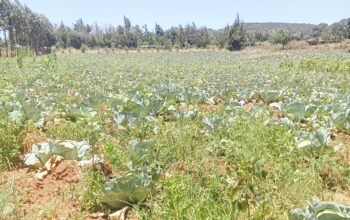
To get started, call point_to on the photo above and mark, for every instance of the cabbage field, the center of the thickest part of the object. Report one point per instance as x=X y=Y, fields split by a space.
x=187 y=135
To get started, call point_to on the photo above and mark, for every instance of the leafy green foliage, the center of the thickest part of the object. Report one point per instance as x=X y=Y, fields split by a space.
x=131 y=188
x=321 y=211
x=10 y=147
x=69 y=150
x=281 y=37
x=91 y=197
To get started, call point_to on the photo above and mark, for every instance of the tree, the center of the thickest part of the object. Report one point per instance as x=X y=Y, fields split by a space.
x=180 y=39
x=201 y=39
x=147 y=36
x=5 y=11
x=236 y=35
x=75 y=40
x=281 y=37
x=221 y=38
x=42 y=33
x=62 y=36
x=158 y=30
x=172 y=34
x=137 y=33
x=22 y=27
x=190 y=34
x=317 y=30
x=127 y=24
x=97 y=36
x=160 y=38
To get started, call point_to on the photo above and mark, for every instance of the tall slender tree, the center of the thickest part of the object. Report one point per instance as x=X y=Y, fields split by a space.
x=236 y=35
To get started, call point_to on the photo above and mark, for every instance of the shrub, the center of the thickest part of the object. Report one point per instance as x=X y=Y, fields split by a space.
x=281 y=37
x=83 y=48
x=10 y=145
x=94 y=185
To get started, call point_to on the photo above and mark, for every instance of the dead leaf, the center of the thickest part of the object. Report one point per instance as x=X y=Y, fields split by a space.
x=221 y=166
x=31 y=138
x=119 y=215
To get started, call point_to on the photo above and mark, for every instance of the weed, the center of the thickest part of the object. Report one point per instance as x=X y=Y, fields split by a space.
x=10 y=145
x=9 y=201
x=92 y=194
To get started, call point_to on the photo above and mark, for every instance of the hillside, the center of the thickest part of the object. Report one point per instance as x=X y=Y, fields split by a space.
x=271 y=26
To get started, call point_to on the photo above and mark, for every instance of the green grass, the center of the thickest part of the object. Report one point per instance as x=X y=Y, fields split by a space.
x=261 y=161
x=10 y=142
x=9 y=202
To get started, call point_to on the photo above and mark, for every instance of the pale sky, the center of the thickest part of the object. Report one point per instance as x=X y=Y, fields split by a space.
x=213 y=14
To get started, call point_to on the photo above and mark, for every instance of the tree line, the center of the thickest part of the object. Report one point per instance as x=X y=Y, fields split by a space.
x=22 y=29
x=129 y=36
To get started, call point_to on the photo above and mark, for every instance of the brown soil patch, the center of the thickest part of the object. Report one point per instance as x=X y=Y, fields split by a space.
x=111 y=128
x=305 y=161
x=182 y=108
x=180 y=166
x=277 y=115
x=343 y=157
x=30 y=138
x=211 y=165
x=68 y=171
x=340 y=138
x=344 y=137
x=248 y=106
x=102 y=108
x=340 y=197
x=218 y=100
x=344 y=152
x=209 y=108
x=54 y=197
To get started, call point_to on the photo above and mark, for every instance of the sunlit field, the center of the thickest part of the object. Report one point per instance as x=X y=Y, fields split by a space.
x=207 y=134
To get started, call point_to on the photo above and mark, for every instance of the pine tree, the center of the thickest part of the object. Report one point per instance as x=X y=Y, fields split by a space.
x=236 y=36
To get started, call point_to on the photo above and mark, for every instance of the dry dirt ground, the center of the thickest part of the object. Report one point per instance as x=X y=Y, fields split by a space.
x=53 y=197
x=343 y=156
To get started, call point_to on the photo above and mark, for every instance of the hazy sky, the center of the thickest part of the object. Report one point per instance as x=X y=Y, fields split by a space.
x=213 y=14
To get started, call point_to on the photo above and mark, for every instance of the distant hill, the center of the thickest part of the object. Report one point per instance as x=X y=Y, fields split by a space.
x=276 y=26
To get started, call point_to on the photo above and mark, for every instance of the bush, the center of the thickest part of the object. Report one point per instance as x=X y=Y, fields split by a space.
x=10 y=146
x=168 y=45
x=83 y=48
x=92 y=194
x=281 y=37
x=75 y=40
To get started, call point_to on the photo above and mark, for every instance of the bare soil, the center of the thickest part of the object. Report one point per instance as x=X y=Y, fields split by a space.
x=54 y=197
